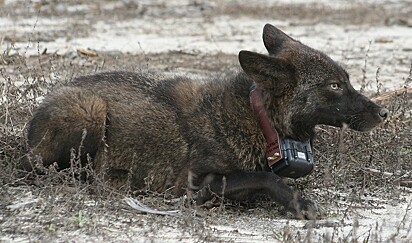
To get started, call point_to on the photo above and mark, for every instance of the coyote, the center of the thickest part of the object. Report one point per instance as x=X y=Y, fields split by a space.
x=201 y=137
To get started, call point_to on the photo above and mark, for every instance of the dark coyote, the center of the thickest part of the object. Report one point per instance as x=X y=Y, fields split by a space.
x=201 y=137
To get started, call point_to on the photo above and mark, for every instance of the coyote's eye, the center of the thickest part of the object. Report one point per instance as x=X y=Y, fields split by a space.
x=334 y=86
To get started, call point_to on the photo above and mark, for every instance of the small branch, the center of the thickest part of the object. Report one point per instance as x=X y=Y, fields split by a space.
x=378 y=172
x=407 y=183
x=22 y=204
x=403 y=182
x=392 y=93
x=143 y=208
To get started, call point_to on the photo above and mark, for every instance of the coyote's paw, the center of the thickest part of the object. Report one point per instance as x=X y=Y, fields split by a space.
x=306 y=209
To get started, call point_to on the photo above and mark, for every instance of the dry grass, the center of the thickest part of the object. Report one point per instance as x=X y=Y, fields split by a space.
x=353 y=169
x=350 y=165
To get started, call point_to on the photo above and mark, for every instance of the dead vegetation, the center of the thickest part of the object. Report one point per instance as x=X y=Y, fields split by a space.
x=353 y=170
x=351 y=166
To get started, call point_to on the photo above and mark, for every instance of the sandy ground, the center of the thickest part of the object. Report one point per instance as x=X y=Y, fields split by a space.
x=56 y=40
x=209 y=28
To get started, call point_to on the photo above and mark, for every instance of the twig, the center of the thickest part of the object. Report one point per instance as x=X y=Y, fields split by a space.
x=378 y=172
x=392 y=93
x=22 y=204
x=363 y=82
x=405 y=216
x=407 y=183
x=403 y=182
x=143 y=208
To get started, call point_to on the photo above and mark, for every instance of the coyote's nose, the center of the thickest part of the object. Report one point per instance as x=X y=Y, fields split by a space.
x=384 y=113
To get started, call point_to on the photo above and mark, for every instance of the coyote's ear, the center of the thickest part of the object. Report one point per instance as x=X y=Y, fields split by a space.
x=274 y=39
x=269 y=73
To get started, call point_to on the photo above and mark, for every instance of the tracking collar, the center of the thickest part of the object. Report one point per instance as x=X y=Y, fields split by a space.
x=273 y=149
x=285 y=157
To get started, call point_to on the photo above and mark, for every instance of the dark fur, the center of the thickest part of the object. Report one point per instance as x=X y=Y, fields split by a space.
x=203 y=136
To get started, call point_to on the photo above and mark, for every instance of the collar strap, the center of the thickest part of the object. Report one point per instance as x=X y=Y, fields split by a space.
x=273 y=147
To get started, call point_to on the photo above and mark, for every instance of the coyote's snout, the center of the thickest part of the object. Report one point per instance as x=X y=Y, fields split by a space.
x=201 y=136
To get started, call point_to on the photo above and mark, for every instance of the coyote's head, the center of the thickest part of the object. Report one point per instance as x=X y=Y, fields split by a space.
x=303 y=87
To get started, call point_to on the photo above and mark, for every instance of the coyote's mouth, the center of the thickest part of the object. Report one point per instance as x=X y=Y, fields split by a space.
x=363 y=125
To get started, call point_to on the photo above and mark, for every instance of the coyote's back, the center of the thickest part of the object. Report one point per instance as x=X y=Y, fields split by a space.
x=131 y=114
